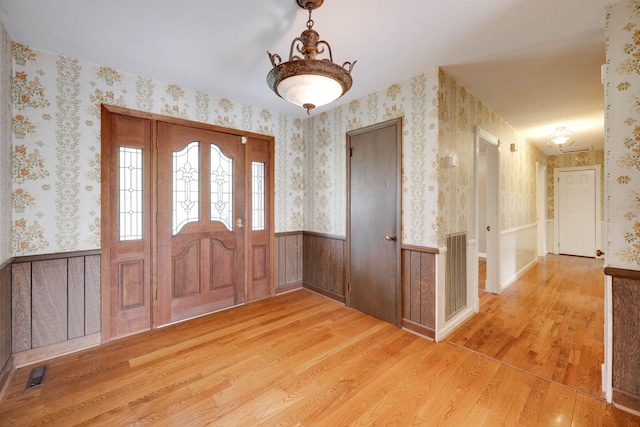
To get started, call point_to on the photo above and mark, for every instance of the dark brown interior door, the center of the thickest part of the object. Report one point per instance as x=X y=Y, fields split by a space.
x=200 y=221
x=374 y=224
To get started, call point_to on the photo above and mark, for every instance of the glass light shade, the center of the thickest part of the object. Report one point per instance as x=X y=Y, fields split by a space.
x=559 y=140
x=311 y=89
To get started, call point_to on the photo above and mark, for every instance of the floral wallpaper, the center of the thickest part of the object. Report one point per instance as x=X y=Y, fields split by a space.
x=622 y=135
x=589 y=158
x=438 y=119
x=458 y=113
x=5 y=144
x=324 y=179
x=55 y=124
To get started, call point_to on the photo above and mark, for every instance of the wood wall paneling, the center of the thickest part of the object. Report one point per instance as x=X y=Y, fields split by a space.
x=337 y=267
x=76 y=301
x=49 y=304
x=323 y=264
x=92 y=294
x=5 y=315
x=626 y=336
x=288 y=261
x=55 y=299
x=418 y=290
x=293 y=262
x=21 y=306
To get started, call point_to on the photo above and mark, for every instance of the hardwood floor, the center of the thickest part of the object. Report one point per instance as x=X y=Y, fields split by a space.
x=298 y=359
x=549 y=323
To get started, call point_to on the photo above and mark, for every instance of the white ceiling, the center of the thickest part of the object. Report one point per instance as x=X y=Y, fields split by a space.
x=536 y=63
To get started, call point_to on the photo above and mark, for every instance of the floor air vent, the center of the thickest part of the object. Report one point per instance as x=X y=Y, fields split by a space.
x=456 y=279
x=36 y=378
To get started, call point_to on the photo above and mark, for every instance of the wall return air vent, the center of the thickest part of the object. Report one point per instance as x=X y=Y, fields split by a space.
x=578 y=149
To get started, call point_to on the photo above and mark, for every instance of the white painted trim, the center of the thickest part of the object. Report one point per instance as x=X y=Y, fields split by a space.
x=440 y=302
x=518 y=275
x=541 y=207
x=516 y=229
x=486 y=135
x=550 y=229
x=493 y=205
x=443 y=326
x=454 y=322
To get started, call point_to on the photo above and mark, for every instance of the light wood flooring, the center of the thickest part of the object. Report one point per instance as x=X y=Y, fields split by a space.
x=550 y=323
x=298 y=359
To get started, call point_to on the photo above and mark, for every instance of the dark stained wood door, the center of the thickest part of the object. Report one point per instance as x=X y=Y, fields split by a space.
x=201 y=177
x=373 y=241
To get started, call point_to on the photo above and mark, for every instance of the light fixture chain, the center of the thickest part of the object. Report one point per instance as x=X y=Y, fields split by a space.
x=310 y=21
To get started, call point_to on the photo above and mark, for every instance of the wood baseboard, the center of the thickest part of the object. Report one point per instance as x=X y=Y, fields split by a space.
x=5 y=376
x=419 y=329
x=627 y=401
x=324 y=292
x=288 y=288
x=41 y=354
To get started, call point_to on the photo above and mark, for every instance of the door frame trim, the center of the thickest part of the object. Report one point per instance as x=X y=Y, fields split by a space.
x=105 y=277
x=398 y=285
x=541 y=207
x=492 y=281
x=598 y=203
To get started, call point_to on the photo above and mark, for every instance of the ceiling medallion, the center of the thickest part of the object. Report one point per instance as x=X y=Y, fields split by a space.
x=561 y=138
x=306 y=80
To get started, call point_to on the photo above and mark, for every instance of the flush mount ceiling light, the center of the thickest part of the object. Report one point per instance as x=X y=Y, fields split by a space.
x=561 y=138
x=305 y=80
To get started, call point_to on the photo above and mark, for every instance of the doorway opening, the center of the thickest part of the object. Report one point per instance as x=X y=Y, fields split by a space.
x=487 y=233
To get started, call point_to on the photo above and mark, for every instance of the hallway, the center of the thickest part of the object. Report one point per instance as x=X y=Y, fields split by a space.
x=550 y=323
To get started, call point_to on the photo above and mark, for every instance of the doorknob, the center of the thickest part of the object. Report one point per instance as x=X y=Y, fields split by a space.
x=391 y=237
x=239 y=223
x=488 y=228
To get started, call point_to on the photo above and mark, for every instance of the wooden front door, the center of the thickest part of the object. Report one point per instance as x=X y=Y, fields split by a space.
x=200 y=221
x=187 y=219
x=373 y=243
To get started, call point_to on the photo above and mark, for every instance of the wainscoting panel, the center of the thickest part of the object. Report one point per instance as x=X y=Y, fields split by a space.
x=49 y=302
x=288 y=261
x=323 y=264
x=56 y=298
x=5 y=314
x=419 y=289
x=626 y=336
x=21 y=306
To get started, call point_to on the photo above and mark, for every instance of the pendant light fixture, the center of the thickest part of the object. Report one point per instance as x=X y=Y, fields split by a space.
x=305 y=80
x=561 y=138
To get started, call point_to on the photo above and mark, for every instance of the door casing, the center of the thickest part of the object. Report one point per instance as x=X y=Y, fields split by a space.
x=492 y=146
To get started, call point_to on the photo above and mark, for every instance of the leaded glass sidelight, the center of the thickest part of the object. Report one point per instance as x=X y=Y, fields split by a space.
x=130 y=193
x=221 y=187
x=186 y=186
x=257 y=196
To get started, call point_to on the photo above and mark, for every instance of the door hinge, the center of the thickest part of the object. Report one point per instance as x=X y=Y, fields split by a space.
x=350 y=152
x=349 y=287
x=156 y=218
x=156 y=293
